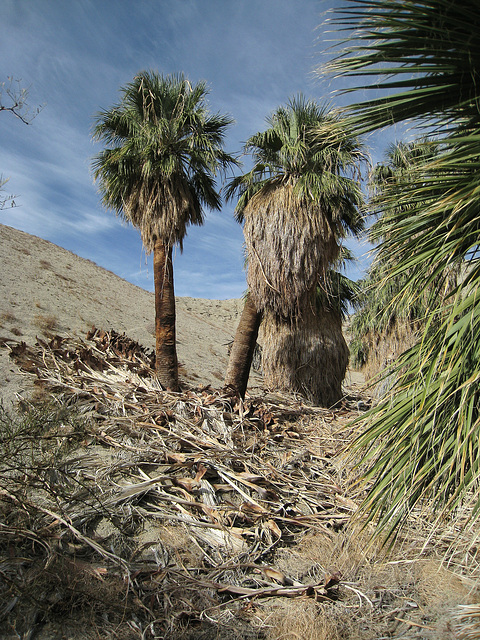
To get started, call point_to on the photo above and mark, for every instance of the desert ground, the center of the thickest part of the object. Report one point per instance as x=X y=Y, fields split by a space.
x=128 y=512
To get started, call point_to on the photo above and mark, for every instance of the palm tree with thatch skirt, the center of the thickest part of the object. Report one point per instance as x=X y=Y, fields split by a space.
x=385 y=324
x=422 y=445
x=296 y=203
x=158 y=171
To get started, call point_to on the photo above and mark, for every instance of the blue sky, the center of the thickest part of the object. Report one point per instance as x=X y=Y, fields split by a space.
x=74 y=55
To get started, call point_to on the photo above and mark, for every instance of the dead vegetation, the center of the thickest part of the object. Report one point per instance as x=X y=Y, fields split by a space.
x=48 y=324
x=131 y=512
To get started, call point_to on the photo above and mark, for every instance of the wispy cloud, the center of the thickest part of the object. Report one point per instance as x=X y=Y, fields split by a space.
x=76 y=55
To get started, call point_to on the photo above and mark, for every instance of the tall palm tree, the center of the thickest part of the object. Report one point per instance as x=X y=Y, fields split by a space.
x=423 y=443
x=297 y=203
x=158 y=171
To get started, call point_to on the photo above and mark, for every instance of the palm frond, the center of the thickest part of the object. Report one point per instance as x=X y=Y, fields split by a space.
x=311 y=148
x=387 y=39
x=421 y=442
x=163 y=152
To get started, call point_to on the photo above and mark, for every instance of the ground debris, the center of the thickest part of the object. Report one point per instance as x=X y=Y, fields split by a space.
x=167 y=513
x=167 y=492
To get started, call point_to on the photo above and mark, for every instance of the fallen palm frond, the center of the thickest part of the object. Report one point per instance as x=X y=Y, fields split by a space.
x=153 y=509
x=232 y=482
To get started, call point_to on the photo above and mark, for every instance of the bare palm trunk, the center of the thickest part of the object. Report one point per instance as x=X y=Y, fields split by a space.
x=166 y=363
x=241 y=355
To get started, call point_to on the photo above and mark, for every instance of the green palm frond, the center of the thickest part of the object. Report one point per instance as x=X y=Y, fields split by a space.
x=421 y=442
x=309 y=147
x=426 y=446
x=424 y=50
x=336 y=292
x=163 y=152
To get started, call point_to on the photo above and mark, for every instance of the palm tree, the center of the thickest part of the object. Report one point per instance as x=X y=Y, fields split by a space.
x=158 y=171
x=386 y=324
x=296 y=203
x=423 y=442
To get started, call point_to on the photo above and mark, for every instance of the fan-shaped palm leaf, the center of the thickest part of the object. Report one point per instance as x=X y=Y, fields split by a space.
x=423 y=443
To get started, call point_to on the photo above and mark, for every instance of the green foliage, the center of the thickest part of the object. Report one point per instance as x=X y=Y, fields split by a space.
x=163 y=152
x=380 y=306
x=335 y=291
x=311 y=147
x=34 y=442
x=426 y=51
x=422 y=443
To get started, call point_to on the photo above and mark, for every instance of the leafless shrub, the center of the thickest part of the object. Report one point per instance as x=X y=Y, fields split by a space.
x=45 y=264
x=7 y=316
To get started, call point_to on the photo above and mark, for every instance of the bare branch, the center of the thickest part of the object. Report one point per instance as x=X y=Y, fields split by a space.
x=13 y=98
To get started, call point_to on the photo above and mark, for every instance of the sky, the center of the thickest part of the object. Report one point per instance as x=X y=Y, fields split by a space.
x=75 y=55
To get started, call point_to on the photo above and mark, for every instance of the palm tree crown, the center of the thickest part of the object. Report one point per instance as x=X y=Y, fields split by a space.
x=164 y=150
x=306 y=147
x=297 y=202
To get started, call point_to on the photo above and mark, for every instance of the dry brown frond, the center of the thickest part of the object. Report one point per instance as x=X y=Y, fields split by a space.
x=309 y=358
x=385 y=347
x=182 y=515
x=290 y=244
x=160 y=212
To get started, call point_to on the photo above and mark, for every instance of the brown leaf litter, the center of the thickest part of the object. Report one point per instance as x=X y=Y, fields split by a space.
x=184 y=502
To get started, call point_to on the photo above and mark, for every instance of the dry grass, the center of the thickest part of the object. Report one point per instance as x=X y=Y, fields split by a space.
x=48 y=324
x=380 y=596
x=306 y=620
x=8 y=318
x=45 y=264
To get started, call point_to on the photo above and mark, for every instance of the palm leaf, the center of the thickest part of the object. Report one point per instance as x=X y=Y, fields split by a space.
x=421 y=443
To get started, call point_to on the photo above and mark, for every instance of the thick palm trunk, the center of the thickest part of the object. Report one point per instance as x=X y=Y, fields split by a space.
x=243 y=347
x=166 y=363
x=309 y=357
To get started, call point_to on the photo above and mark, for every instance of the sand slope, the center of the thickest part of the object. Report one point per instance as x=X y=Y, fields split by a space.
x=44 y=288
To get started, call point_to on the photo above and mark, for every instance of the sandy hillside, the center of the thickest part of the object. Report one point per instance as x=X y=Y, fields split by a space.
x=44 y=288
